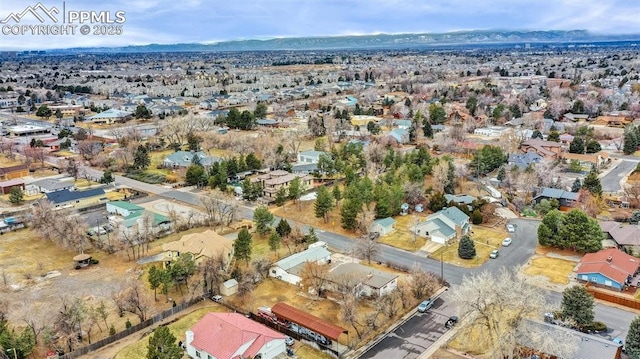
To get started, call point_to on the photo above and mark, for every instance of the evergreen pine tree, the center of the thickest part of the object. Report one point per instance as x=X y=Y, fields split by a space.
x=242 y=246
x=632 y=342
x=466 y=248
x=162 y=345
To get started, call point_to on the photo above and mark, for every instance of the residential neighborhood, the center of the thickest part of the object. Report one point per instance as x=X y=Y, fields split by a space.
x=320 y=204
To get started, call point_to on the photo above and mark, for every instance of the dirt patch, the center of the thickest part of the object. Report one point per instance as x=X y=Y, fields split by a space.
x=556 y=270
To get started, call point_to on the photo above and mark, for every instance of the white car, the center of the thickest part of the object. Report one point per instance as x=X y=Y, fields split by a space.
x=506 y=242
x=511 y=228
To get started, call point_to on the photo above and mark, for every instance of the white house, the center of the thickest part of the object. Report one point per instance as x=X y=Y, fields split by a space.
x=444 y=225
x=310 y=156
x=231 y=336
x=383 y=226
x=491 y=131
x=288 y=269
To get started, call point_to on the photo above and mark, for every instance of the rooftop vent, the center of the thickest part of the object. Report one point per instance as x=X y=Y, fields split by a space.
x=609 y=259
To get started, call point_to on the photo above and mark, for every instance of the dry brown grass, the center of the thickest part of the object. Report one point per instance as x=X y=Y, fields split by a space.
x=24 y=254
x=446 y=354
x=138 y=350
x=555 y=269
x=486 y=239
x=304 y=213
x=6 y=161
x=402 y=237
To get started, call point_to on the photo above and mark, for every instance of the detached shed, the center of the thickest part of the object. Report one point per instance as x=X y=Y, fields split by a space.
x=6 y=186
x=229 y=287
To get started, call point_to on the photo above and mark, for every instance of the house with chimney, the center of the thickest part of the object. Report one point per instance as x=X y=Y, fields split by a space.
x=609 y=268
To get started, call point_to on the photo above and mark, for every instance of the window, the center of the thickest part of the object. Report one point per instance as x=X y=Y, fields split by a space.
x=209 y=356
x=594 y=279
x=197 y=354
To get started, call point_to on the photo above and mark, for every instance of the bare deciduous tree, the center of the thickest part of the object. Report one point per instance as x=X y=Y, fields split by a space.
x=423 y=284
x=366 y=248
x=314 y=277
x=497 y=305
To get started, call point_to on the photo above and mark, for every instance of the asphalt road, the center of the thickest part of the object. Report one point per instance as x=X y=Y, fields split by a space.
x=518 y=253
x=414 y=336
x=611 y=182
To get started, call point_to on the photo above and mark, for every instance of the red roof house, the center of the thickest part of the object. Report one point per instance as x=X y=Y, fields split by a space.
x=610 y=268
x=231 y=336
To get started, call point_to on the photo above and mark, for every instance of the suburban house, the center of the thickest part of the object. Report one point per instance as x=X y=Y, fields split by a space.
x=47 y=185
x=588 y=159
x=136 y=218
x=401 y=135
x=460 y=199
x=575 y=344
x=371 y=282
x=491 y=131
x=272 y=181
x=546 y=149
x=625 y=236
x=181 y=159
x=444 y=225
x=66 y=199
x=609 y=268
x=288 y=269
x=110 y=116
x=524 y=160
x=383 y=226
x=204 y=245
x=12 y=172
x=6 y=186
x=233 y=336
x=310 y=156
x=565 y=198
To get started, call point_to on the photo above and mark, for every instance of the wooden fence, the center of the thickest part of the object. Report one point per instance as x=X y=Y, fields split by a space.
x=134 y=328
x=613 y=297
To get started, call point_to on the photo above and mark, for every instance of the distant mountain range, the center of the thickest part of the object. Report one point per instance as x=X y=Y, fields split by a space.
x=381 y=41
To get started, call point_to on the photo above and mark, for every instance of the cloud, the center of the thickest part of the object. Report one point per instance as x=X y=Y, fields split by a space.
x=170 y=21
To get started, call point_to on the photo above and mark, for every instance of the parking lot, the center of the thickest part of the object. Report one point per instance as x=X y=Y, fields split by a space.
x=417 y=334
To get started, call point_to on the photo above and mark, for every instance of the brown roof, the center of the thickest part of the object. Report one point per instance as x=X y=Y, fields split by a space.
x=5 y=170
x=207 y=243
x=623 y=235
x=307 y=320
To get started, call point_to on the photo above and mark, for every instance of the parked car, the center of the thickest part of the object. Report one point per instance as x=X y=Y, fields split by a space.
x=511 y=228
x=494 y=254
x=506 y=242
x=289 y=341
x=451 y=321
x=425 y=305
x=217 y=298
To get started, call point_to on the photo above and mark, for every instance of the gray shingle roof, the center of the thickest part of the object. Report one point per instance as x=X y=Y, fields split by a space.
x=385 y=222
x=370 y=276
x=66 y=196
x=312 y=254
x=455 y=215
x=557 y=193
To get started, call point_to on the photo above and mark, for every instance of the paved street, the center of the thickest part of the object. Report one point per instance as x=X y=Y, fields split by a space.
x=611 y=180
x=421 y=331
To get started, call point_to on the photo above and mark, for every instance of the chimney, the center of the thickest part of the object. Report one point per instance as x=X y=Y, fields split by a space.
x=609 y=259
x=190 y=336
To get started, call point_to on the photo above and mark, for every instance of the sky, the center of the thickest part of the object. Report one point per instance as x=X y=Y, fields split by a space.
x=200 y=21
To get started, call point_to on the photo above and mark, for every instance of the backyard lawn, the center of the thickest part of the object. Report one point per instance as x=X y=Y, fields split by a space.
x=485 y=239
x=402 y=237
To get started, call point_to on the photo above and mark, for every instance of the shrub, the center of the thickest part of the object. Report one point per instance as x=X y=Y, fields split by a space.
x=476 y=217
x=127 y=324
x=112 y=330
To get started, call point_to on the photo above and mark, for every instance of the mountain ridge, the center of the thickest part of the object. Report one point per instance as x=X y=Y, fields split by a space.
x=377 y=41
